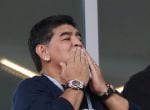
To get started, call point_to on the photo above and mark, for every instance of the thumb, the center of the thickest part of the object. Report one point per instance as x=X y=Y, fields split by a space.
x=63 y=67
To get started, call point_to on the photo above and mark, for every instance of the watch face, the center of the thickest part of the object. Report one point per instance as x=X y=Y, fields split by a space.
x=76 y=83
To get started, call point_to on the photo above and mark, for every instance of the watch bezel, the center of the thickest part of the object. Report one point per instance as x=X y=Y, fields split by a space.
x=75 y=84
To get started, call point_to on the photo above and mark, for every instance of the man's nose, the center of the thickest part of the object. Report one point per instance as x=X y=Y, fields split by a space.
x=76 y=42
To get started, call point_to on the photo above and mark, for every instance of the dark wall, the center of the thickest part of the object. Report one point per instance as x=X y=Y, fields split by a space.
x=124 y=37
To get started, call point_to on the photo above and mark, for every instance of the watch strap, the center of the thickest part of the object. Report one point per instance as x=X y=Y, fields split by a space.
x=110 y=91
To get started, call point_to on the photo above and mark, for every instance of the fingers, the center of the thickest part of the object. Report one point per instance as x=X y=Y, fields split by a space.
x=72 y=55
x=91 y=66
x=90 y=60
x=78 y=55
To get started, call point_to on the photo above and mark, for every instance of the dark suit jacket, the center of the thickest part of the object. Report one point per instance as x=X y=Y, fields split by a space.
x=39 y=93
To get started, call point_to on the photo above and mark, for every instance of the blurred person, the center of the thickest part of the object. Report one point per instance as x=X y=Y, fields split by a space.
x=69 y=78
x=137 y=88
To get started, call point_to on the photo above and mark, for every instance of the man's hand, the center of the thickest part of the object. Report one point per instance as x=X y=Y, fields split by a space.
x=77 y=67
x=97 y=83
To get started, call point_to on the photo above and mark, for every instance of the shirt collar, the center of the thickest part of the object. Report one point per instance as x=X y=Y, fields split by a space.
x=55 y=82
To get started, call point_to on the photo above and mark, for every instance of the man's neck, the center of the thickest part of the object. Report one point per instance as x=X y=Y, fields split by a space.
x=53 y=71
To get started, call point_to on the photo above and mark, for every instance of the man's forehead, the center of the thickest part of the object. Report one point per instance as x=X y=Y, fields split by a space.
x=65 y=28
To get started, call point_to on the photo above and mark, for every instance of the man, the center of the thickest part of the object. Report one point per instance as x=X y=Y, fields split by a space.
x=59 y=55
x=137 y=88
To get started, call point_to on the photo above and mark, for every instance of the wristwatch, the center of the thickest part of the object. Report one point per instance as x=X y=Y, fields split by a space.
x=75 y=84
x=110 y=91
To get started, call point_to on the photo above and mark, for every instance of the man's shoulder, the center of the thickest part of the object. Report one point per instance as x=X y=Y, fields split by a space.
x=142 y=75
x=139 y=82
x=29 y=84
x=30 y=81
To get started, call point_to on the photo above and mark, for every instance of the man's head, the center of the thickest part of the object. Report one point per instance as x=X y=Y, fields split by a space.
x=49 y=38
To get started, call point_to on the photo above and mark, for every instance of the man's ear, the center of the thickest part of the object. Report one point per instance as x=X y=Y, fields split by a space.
x=42 y=51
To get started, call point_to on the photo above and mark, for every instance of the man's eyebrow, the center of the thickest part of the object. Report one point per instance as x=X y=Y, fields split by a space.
x=78 y=33
x=70 y=33
x=65 y=33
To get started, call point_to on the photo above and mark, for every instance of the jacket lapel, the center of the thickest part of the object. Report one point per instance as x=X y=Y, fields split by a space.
x=56 y=91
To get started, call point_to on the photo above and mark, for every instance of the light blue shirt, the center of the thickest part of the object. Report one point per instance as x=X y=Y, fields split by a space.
x=55 y=82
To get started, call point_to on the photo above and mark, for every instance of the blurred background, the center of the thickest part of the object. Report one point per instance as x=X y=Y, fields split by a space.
x=123 y=37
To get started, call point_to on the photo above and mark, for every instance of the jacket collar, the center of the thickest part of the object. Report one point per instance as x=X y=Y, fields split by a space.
x=56 y=91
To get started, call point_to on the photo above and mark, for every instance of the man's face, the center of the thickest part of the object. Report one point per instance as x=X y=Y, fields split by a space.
x=65 y=38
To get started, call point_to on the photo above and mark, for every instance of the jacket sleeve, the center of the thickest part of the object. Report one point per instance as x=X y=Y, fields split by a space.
x=133 y=106
x=31 y=95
